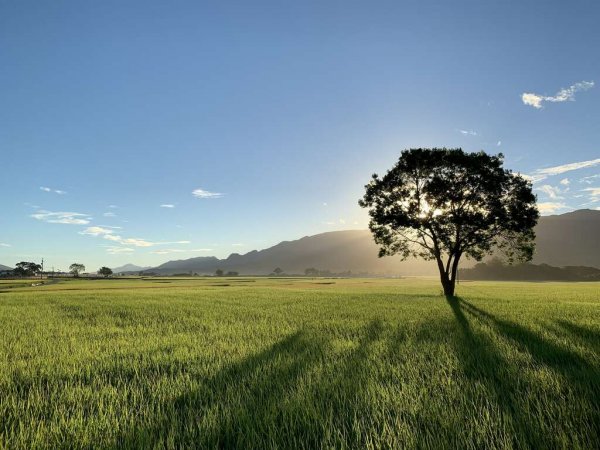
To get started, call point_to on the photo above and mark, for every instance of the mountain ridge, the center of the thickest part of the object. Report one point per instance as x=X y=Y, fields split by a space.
x=562 y=240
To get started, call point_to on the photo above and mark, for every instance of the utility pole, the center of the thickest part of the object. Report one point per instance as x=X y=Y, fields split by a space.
x=42 y=272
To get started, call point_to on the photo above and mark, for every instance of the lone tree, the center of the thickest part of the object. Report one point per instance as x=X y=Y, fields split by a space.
x=27 y=269
x=278 y=271
x=76 y=269
x=105 y=272
x=442 y=204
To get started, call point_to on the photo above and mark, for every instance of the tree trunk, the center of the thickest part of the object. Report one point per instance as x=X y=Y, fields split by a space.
x=448 y=279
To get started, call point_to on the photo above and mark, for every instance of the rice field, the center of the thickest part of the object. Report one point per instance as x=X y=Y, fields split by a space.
x=298 y=363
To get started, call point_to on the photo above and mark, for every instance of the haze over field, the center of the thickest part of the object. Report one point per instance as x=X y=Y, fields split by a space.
x=145 y=131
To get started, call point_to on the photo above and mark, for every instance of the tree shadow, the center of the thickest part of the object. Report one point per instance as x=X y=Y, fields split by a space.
x=587 y=336
x=278 y=398
x=235 y=407
x=583 y=377
x=484 y=365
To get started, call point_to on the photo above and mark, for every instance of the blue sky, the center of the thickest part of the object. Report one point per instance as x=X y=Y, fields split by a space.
x=282 y=110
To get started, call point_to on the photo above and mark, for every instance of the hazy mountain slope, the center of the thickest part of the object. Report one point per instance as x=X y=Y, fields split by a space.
x=571 y=239
x=3 y=267
x=129 y=268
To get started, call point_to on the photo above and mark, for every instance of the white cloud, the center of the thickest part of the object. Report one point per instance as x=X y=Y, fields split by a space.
x=108 y=234
x=594 y=193
x=56 y=191
x=113 y=206
x=565 y=94
x=167 y=205
x=166 y=251
x=550 y=207
x=109 y=214
x=550 y=191
x=588 y=180
x=2 y=244
x=468 y=132
x=117 y=250
x=238 y=245
x=70 y=218
x=201 y=193
x=498 y=144
x=96 y=231
x=565 y=182
x=542 y=174
x=324 y=203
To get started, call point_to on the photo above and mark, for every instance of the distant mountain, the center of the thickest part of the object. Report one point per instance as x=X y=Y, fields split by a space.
x=495 y=270
x=129 y=268
x=3 y=267
x=570 y=239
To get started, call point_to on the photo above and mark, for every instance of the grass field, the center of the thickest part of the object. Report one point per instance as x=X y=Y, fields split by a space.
x=299 y=363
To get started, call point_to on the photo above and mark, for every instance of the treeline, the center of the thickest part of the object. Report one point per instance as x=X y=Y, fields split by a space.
x=495 y=270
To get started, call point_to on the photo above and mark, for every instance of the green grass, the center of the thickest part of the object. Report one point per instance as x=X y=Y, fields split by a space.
x=299 y=363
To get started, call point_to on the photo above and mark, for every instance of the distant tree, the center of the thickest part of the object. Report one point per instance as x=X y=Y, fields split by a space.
x=277 y=271
x=442 y=204
x=219 y=272
x=311 y=272
x=27 y=269
x=232 y=273
x=76 y=269
x=105 y=272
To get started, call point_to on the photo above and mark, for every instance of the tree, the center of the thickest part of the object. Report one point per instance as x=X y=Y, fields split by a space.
x=27 y=269
x=76 y=269
x=442 y=204
x=311 y=272
x=277 y=271
x=219 y=272
x=105 y=272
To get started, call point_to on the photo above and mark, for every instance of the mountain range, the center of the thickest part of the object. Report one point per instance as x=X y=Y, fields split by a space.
x=129 y=268
x=571 y=239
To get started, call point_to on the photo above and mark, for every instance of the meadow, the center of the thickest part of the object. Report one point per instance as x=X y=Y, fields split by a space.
x=298 y=363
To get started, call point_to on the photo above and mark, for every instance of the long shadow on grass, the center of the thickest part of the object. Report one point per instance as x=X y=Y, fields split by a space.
x=483 y=364
x=239 y=405
x=583 y=377
x=586 y=335
x=274 y=399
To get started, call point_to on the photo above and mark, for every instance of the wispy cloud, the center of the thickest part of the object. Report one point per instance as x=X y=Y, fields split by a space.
x=166 y=251
x=468 y=132
x=542 y=174
x=167 y=205
x=565 y=182
x=594 y=193
x=69 y=218
x=565 y=94
x=113 y=206
x=550 y=191
x=550 y=207
x=201 y=193
x=109 y=214
x=238 y=244
x=118 y=250
x=56 y=191
x=589 y=180
x=498 y=144
x=2 y=244
x=108 y=234
x=96 y=231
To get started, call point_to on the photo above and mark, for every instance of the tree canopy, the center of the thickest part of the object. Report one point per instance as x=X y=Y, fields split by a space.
x=105 y=271
x=27 y=269
x=76 y=269
x=443 y=204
